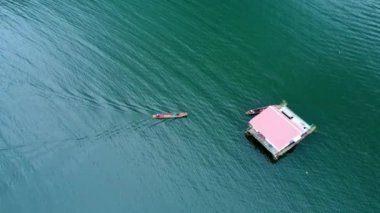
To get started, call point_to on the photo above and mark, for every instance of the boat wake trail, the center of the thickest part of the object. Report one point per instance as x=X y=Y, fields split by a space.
x=39 y=149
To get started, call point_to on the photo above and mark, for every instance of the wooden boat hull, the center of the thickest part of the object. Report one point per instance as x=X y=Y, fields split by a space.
x=170 y=115
x=255 y=111
x=260 y=109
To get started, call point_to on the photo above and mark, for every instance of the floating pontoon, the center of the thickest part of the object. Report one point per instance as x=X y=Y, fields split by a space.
x=278 y=129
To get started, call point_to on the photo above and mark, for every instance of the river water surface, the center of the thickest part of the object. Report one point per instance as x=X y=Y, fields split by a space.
x=79 y=81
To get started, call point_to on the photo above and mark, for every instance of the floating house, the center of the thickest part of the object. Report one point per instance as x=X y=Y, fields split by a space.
x=278 y=128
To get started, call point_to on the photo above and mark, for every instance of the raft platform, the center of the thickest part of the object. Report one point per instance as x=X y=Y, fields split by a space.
x=278 y=129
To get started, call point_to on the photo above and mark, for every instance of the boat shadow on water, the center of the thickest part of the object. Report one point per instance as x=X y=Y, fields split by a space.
x=264 y=151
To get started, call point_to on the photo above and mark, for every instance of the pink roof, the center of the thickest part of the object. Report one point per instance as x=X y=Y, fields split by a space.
x=277 y=129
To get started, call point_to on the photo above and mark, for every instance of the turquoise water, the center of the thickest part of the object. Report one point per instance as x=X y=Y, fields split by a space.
x=79 y=81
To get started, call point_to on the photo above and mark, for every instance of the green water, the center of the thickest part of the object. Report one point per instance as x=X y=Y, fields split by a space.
x=79 y=81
